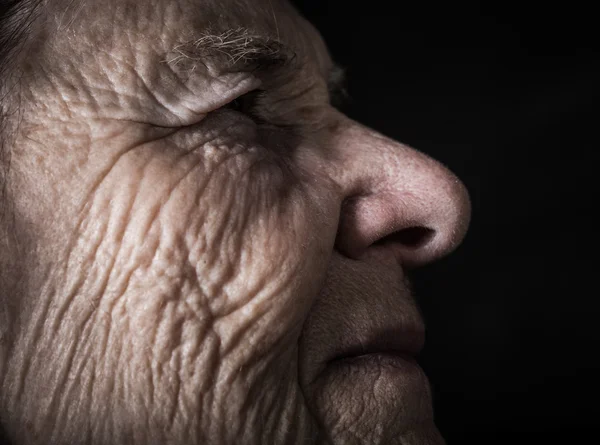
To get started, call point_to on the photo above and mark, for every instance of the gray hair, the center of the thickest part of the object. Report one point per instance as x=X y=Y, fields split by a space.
x=16 y=18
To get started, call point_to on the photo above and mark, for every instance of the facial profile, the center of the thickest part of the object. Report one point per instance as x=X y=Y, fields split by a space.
x=203 y=249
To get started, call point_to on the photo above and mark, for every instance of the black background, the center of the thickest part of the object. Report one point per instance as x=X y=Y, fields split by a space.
x=505 y=96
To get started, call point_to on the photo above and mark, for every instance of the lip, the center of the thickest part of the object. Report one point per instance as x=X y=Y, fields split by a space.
x=404 y=343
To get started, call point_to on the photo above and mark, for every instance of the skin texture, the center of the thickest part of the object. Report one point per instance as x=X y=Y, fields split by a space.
x=189 y=269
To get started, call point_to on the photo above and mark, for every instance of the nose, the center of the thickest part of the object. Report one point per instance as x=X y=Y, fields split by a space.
x=397 y=197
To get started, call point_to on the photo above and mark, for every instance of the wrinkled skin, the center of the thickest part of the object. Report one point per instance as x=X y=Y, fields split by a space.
x=188 y=272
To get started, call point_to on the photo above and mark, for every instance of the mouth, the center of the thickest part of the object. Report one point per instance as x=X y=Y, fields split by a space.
x=358 y=351
x=375 y=381
x=389 y=345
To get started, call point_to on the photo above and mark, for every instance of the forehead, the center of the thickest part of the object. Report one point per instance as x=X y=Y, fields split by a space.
x=158 y=26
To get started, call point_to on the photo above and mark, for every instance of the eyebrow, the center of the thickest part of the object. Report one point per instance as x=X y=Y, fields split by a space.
x=241 y=48
x=235 y=48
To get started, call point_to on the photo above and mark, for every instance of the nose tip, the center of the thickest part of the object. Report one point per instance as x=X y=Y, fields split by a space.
x=402 y=200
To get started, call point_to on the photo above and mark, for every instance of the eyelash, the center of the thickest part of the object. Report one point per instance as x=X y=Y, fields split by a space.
x=249 y=104
x=246 y=104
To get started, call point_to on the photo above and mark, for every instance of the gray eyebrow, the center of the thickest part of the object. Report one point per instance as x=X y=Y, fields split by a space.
x=236 y=48
x=243 y=49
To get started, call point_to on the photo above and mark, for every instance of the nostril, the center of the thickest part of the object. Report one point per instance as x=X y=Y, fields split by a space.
x=413 y=237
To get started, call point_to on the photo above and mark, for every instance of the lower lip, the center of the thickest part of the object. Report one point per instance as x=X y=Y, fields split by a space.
x=390 y=387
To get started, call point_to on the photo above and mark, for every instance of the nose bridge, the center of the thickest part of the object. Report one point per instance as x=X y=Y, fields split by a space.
x=392 y=190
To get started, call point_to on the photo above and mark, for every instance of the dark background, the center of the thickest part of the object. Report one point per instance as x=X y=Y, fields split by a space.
x=504 y=95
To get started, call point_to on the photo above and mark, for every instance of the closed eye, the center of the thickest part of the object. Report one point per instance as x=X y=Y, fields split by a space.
x=247 y=104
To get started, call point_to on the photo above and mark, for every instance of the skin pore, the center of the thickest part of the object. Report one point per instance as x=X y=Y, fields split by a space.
x=205 y=247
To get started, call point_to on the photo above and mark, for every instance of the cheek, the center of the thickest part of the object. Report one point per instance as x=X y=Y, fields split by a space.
x=223 y=233
x=182 y=270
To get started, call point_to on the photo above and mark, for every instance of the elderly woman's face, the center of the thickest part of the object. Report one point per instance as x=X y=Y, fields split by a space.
x=210 y=253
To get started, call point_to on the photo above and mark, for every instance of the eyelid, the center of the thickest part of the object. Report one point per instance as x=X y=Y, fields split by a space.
x=227 y=88
x=204 y=94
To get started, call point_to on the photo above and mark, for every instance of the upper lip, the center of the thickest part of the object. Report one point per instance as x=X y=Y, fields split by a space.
x=375 y=312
